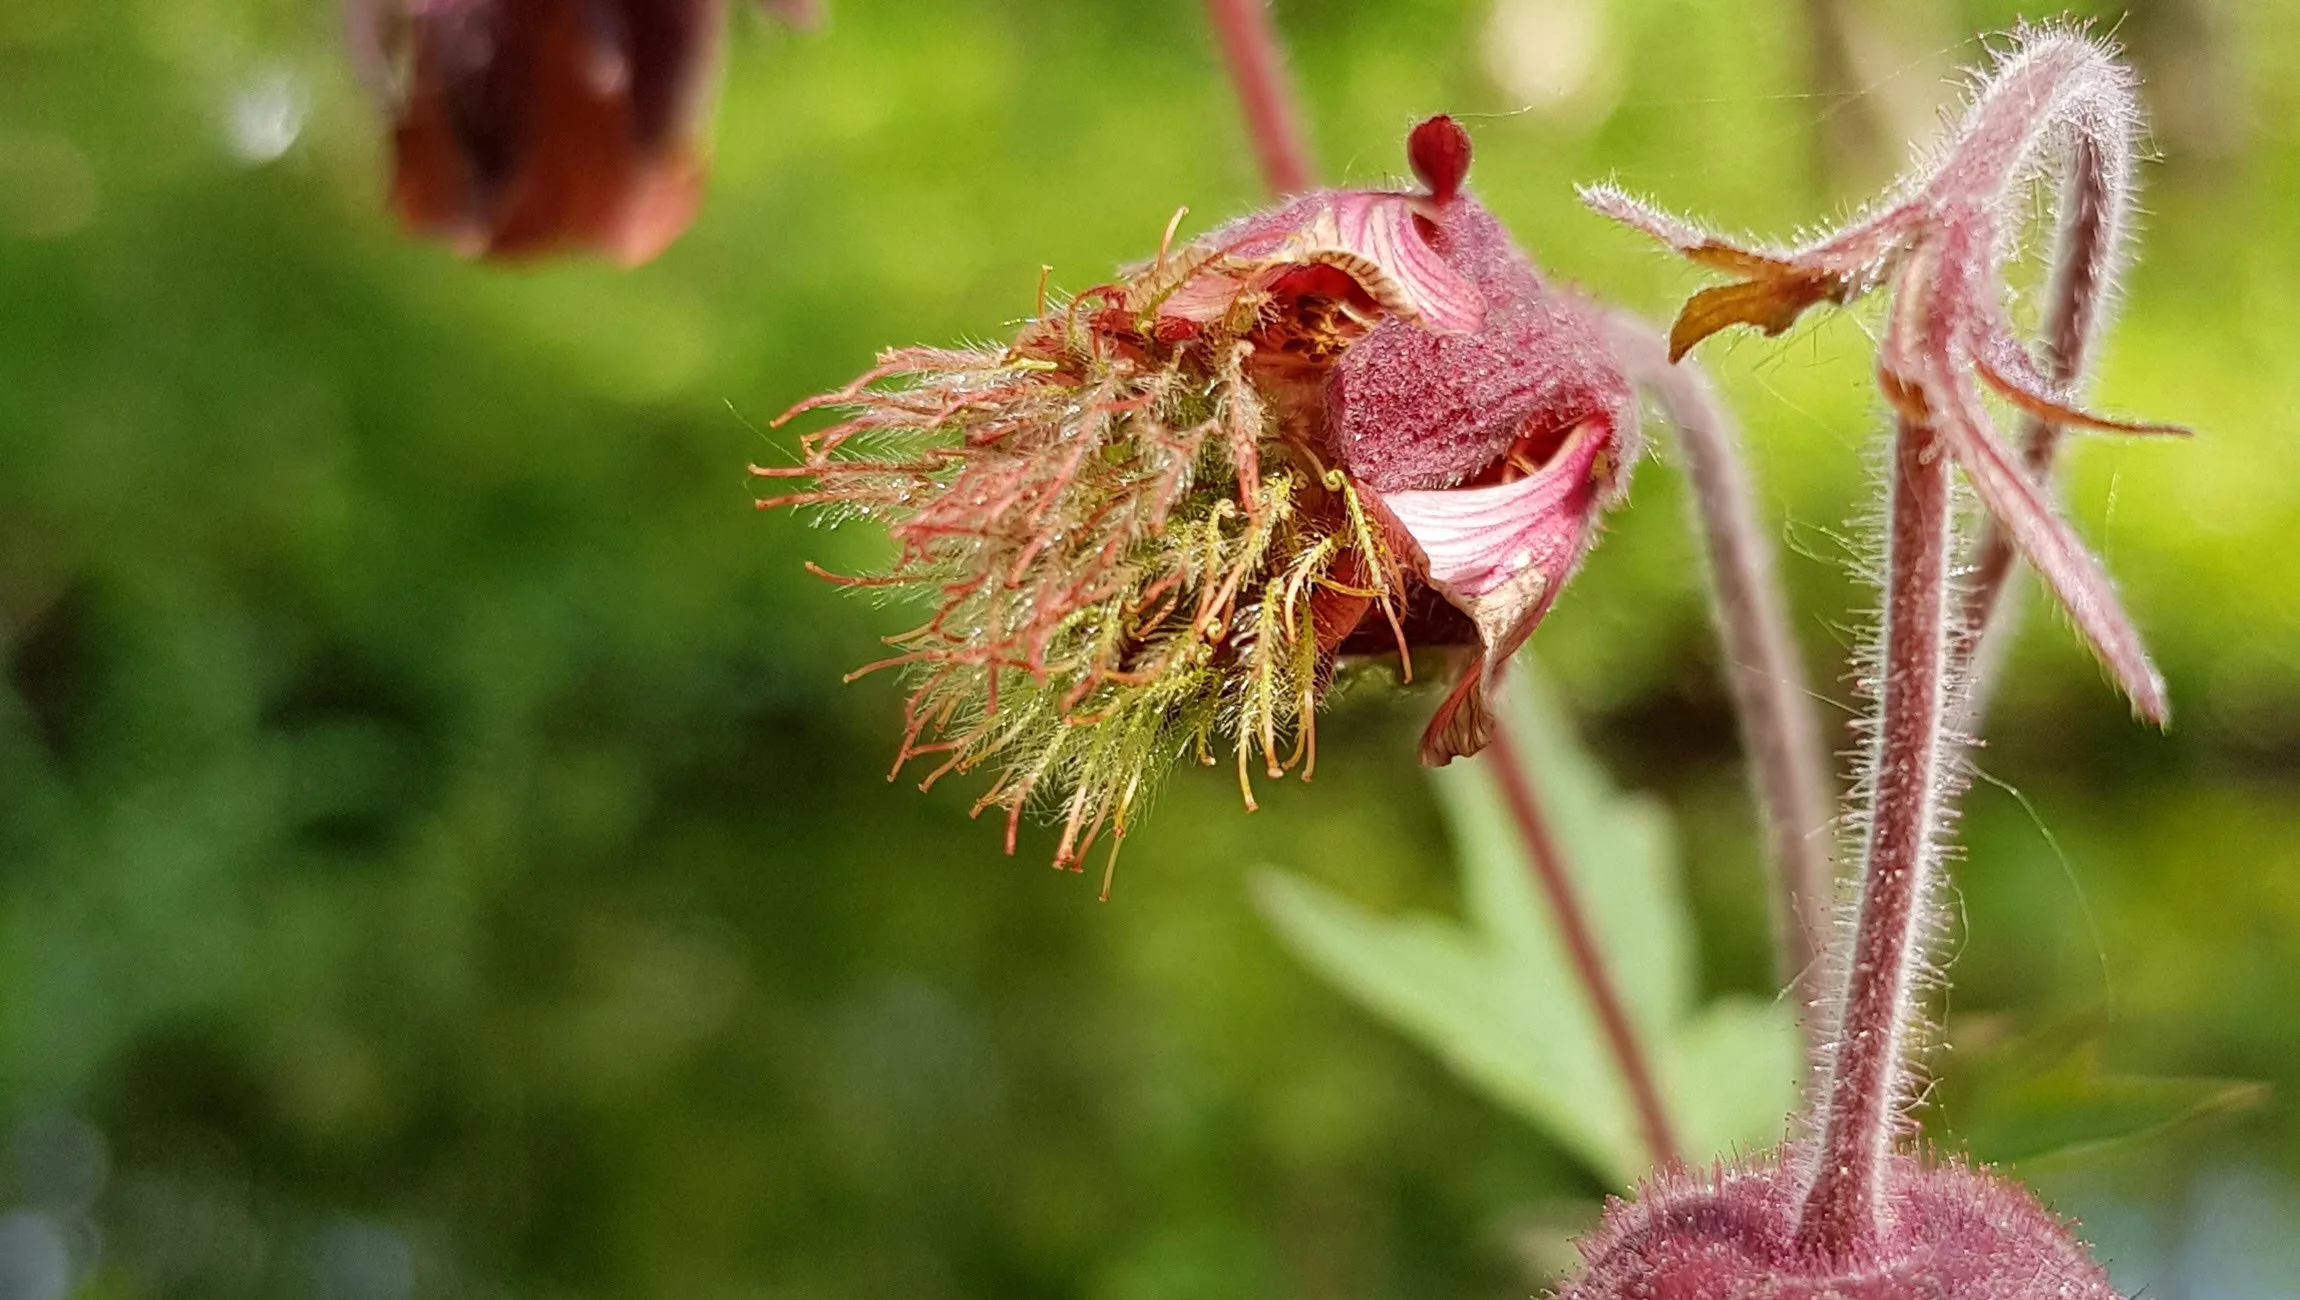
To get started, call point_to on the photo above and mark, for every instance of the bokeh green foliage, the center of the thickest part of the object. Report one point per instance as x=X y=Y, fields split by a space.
x=427 y=805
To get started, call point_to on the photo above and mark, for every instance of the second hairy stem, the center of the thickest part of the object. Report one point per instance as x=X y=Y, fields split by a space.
x=1764 y=668
x=1549 y=870
x=1865 y=1085
x=2083 y=260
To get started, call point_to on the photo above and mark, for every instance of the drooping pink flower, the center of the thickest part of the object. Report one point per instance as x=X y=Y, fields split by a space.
x=1157 y=518
x=524 y=127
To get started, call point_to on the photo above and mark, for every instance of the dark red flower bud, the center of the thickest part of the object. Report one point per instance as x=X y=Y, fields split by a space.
x=532 y=126
x=1438 y=151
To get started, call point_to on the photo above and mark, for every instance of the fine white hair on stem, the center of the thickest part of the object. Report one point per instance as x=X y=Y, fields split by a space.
x=1866 y=1085
x=1867 y=563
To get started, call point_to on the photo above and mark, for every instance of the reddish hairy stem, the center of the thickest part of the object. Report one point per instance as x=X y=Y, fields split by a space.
x=1788 y=763
x=1250 y=45
x=1257 y=69
x=2082 y=263
x=1581 y=946
x=1864 y=1090
x=2055 y=95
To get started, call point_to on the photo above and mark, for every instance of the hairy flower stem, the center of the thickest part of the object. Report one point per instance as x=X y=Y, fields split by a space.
x=1257 y=68
x=1251 y=44
x=1549 y=871
x=1791 y=771
x=1868 y=1065
x=1789 y=764
x=2083 y=264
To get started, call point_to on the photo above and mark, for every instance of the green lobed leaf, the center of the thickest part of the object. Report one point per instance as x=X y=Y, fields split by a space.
x=1494 y=994
x=2043 y=1095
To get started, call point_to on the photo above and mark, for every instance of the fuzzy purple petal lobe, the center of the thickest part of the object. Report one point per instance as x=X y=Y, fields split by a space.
x=1411 y=409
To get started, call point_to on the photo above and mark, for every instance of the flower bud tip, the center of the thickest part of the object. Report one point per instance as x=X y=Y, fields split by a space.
x=1438 y=149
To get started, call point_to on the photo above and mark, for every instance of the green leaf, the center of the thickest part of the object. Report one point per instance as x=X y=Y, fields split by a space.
x=1494 y=995
x=2042 y=1095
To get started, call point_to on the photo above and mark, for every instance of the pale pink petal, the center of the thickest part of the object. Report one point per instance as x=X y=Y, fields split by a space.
x=1501 y=554
x=1373 y=238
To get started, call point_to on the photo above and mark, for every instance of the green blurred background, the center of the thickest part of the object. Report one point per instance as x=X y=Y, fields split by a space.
x=437 y=857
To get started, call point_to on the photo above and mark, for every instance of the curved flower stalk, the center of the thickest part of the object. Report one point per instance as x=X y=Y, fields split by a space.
x=1789 y=764
x=1855 y=1208
x=1152 y=524
x=522 y=127
x=1941 y=240
x=2087 y=250
x=1273 y=121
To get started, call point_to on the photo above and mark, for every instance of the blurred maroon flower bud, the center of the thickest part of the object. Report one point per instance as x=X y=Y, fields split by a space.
x=1357 y=420
x=524 y=127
